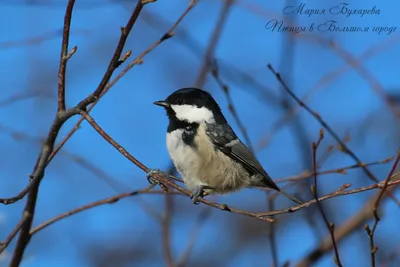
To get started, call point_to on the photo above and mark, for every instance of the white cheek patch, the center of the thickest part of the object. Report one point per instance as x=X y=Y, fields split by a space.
x=193 y=114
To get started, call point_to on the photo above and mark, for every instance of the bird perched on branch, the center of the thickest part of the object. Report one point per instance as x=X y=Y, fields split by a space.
x=206 y=151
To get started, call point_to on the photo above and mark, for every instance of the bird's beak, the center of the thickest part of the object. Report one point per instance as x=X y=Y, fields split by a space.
x=161 y=104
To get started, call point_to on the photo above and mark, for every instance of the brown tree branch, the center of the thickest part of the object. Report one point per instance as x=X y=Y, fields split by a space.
x=64 y=55
x=314 y=189
x=371 y=231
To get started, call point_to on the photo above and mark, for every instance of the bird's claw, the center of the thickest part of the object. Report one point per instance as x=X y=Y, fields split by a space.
x=154 y=181
x=196 y=194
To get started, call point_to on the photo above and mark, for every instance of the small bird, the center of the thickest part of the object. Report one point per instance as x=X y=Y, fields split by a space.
x=206 y=151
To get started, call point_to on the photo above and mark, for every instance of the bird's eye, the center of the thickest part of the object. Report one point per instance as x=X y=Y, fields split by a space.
x=179 y=101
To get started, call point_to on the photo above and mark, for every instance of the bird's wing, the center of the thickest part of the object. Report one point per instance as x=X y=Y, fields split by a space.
x=226 y=141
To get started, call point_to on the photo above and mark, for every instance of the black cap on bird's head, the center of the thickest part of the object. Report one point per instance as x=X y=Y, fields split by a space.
x=192 y=105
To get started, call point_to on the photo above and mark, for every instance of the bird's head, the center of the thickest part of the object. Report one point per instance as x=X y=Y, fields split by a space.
x=192 y=105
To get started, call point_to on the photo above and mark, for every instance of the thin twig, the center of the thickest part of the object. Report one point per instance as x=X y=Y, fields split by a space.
x=344 y=147
x=371 y=231
x=329 y=225
x=64 y=55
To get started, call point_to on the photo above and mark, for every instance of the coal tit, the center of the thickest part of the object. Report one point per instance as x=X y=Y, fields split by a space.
x=206 y=151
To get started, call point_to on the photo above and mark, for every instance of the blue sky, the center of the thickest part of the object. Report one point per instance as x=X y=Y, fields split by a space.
x=349 y=104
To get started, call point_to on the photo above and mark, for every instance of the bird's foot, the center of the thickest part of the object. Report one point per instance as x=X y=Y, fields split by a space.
x=198 y=193
x=154 y=181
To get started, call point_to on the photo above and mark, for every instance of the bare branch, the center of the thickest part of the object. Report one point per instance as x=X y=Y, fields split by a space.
x=329 y=225
x=64 y=55
x=371 y=231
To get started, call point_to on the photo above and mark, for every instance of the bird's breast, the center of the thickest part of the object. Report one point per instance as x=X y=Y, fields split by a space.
x=199 y=163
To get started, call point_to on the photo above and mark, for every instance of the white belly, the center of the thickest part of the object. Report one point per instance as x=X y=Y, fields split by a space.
x=184 y=158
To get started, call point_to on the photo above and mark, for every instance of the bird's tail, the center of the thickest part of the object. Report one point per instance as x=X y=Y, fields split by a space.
x=289 y=196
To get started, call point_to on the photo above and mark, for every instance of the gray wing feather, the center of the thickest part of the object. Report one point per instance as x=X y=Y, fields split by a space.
x=223 y=138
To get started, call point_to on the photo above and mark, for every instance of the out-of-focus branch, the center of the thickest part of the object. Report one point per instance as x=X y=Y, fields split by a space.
x=231 y=106
x=365 y=74
x=109 y=200
x=4 y=244
x=22 y=96
x=38 y=39
x=228 y=70
x=342 y=170
x=271 y=233
x=326 y=80
x=208 y=57
x=166 y=231
x=371 y=231
x=344 y=147
x=314 y=189
x=202 y=217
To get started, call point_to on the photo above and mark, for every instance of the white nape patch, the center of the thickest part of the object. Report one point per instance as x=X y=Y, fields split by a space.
x=192 y=113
